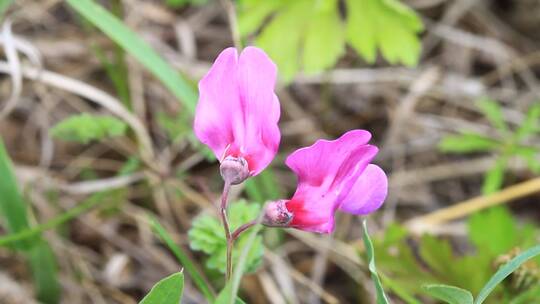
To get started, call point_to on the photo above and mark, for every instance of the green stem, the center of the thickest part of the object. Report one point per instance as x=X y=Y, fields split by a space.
x=57 y=221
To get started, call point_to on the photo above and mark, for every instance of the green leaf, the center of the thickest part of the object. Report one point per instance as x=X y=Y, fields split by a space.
x=167 y=291
x=531 y=124
x=385 y=24
x=138 y=48
x=496 y=221
x=449 y=294
x=493 y=112
x=285 y=49
x=12 y=204
x=4 y=5
x=370 y=252
x=45 y=273
x=324 y=39
x=258 y=12
x=180 y=3
x=84 y=128
x=468 y=142
x=207 y=235
x=505 y=271
x=530 y=155
x=494 y=178
x=41 y=258
x=184 y=259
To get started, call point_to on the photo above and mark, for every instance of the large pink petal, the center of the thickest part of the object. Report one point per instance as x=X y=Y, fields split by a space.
x=326 y=173
x=318 y=165
x=368 y=193
x=260 y=105
x=218 y=110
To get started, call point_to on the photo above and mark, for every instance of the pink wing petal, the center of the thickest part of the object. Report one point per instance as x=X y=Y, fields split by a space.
x=318 y=164
x=218 y=107
x=326 y=173
x=256 y=81
x=368 y=193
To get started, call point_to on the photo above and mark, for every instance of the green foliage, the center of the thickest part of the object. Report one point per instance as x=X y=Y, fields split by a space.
x=494 y=233
x=207 y=235
x=138 y=48
x=370 y=254
x=184 y=259
x=84 y=128
x=180 y=3
x=13 y=209
x=167 y=291
x=507 y=144
x=449 y=294
x=311 y=35
x=468 y=142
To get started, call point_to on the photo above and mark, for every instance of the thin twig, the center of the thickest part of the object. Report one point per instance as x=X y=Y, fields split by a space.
x=467 y=207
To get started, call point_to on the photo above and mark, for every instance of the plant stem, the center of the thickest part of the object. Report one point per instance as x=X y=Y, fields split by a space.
x=225 y=221
x=242 y=228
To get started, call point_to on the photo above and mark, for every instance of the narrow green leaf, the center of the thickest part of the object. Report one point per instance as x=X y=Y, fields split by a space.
x=530 y=155
x=12 y=204
x=449 y=294
x=505 y=271
x=138 y=48
x=370 y=252
x=531 y=124
x=41 y=258
x=324 y=39
x=493 y=112
x=167 y=291
x=45 y=273
x=184 y=259
x=468 y=142
x=92 y=201
x=494 y=178
x=85 y=127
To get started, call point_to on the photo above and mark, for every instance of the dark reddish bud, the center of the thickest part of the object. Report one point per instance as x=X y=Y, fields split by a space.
x=234 y=170
x=276 y=214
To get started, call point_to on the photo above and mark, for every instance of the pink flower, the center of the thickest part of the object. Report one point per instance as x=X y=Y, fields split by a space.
x=332 y=175
x=238 y=112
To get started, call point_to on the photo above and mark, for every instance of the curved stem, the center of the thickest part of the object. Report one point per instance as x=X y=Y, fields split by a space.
x=242 y=228
x=225 y=222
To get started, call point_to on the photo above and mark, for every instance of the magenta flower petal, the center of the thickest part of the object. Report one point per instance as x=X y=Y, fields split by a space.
x=326 y=172
x=238 y=111
x=368 y=193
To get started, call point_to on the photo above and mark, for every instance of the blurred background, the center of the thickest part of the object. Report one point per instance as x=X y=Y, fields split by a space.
x=96 y=108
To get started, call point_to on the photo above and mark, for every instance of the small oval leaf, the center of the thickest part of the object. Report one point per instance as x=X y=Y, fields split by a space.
x=167 y=291
x=449 y=294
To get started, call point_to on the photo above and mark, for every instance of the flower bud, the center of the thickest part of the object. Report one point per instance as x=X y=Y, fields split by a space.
x=234 y=170
x=276 y=214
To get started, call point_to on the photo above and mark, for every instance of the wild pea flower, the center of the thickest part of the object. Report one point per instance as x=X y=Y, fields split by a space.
x=238 y=112
x=332 y=175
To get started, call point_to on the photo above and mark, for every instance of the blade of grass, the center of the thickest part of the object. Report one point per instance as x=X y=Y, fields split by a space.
x=40 y=256
x=183 y=258
x=138 y=48
x=381 y=296
x=45 y=273
x=70 y=214
x=505 y=271
x=12 y=204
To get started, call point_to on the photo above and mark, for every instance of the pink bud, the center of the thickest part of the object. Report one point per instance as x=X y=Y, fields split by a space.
x=234 y=170
x=276 y=214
